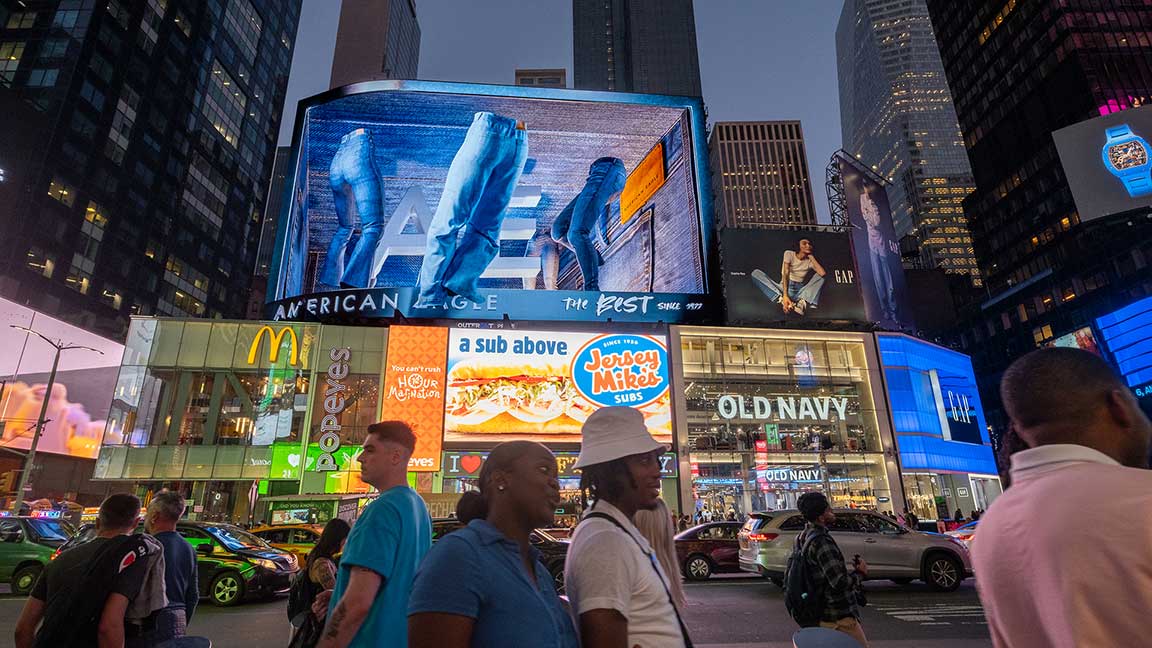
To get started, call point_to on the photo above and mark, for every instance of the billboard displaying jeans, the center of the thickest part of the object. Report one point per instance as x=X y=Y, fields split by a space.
x=876 y=247
x=789 y=276
x=441 y=200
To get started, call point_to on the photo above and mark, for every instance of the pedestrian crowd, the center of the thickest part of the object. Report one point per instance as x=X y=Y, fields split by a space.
x=1077 y=454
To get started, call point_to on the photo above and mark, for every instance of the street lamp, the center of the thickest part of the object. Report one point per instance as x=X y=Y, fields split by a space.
x=30 y=460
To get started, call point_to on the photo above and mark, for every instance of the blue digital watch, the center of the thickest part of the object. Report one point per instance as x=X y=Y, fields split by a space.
x=1126 y=155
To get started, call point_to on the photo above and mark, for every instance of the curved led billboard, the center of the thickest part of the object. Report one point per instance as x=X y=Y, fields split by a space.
x=440 y=200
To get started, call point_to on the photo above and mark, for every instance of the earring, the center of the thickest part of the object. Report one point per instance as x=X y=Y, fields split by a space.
x=500 y=488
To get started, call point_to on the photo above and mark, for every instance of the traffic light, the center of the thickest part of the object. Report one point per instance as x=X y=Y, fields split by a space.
x=7 y=482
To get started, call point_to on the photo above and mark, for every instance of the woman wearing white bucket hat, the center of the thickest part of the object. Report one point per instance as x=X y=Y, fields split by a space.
x=615 y=583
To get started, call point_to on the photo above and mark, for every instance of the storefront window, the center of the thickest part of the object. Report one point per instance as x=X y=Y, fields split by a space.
x=770 y=419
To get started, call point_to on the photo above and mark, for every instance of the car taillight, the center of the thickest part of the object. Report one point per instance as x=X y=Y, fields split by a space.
x=54 y=554
x=763 y=537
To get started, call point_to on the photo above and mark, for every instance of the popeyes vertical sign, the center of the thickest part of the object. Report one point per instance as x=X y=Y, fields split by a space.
x=414 y=389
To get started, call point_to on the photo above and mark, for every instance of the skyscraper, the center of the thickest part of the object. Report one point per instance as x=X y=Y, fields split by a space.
x=545 y=78
x=1019 y=71
x=635 y=46
x=896 y=115
x=377 y=39
x=158 y=122
x=760 y=174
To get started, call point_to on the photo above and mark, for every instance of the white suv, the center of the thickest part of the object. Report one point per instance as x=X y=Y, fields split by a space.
x=892 y=551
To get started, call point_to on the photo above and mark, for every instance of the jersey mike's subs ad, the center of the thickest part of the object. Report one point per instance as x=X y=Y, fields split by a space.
x=543 y=385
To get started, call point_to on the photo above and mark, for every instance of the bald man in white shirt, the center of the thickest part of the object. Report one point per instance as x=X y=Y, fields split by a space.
x=1063 y=559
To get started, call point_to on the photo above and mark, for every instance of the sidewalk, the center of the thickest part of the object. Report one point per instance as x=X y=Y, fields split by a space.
x=880 y=643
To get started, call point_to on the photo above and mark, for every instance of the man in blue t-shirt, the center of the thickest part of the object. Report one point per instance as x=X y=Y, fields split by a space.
x=369 y=607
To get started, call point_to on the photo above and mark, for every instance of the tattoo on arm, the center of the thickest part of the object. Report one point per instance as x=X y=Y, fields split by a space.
x=327 y=575
x=337 y=618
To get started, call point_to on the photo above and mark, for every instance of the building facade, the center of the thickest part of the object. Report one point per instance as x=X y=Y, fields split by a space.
x=542 y=78
x=159 y=122
x=760 y=174
x=1046 y=273
x=247 y=418
x=376 y=39
x=264 y=419
x=897 y=116
x=635 y=46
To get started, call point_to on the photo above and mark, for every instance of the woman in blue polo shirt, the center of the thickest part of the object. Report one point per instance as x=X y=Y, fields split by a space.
x=484 y=585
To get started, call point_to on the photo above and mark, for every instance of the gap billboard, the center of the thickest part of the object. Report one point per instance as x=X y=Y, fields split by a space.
x=441 y=201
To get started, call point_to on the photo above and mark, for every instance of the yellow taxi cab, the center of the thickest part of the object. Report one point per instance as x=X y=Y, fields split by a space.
x=297 y=539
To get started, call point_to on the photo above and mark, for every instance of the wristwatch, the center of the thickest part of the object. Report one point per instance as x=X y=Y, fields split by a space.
x=1126 y=156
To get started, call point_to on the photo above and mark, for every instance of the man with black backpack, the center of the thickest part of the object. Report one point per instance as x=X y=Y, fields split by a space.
x=819 y=589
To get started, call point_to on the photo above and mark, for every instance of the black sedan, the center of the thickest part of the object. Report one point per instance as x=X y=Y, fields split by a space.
x=553 y=551
x=232 y=563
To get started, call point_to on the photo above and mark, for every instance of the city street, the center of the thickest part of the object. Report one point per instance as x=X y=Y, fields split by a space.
x=726 y=611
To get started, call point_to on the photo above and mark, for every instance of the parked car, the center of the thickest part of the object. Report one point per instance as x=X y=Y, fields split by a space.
x=26 y=546
x=553 y=551
x=232 y=564
x=296 y=539
x=708 y=549
x=964 y=533
x=892 y=551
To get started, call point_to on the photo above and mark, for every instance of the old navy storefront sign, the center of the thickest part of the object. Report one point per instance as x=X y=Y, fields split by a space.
x=802 y=408
x=517 y=304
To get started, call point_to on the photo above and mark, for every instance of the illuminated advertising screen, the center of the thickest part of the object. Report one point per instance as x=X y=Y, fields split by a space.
x=785 y=275
x=936 y=408
x=1127 y=333
x=81 y=395
x=1082 y=338
x=506 y=385
x=439 y=200
x=876 y=248
x=1107 y=161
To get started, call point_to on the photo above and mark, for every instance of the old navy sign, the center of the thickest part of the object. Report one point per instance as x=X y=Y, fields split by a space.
x=517 y=304
x=813 y=408
x=810 y=473
x=467 y=464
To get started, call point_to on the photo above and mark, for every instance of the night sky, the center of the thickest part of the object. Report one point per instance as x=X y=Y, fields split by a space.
x=759 y=59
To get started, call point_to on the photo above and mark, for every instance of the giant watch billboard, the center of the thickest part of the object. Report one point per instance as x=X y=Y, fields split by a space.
x=437 y=200
x=1108 y=161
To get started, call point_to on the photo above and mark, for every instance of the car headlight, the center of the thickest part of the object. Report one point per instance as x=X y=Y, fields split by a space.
x=266 y=564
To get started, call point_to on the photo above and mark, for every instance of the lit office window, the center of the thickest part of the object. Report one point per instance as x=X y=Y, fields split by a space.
x=10 y=54
x=224 y=104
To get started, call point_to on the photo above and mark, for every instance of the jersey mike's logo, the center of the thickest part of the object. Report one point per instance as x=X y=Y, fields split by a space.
x=276 y=338
x=621 y=370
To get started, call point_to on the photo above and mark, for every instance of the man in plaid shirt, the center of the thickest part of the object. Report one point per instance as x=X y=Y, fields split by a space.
x=828 y=568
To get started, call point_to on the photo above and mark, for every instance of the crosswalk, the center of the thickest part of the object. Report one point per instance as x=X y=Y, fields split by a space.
x=932 y=614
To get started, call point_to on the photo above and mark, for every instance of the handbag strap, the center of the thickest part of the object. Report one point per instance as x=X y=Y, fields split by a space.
x=651 y=559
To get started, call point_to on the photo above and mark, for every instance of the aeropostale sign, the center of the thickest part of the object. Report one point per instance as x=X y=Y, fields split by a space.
x=812 y=408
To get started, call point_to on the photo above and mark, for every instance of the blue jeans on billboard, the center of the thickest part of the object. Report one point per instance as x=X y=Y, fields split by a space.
x=808 y=291
x=882 y=274
x=478 y=188
x=355 y=186
x=573 y=227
